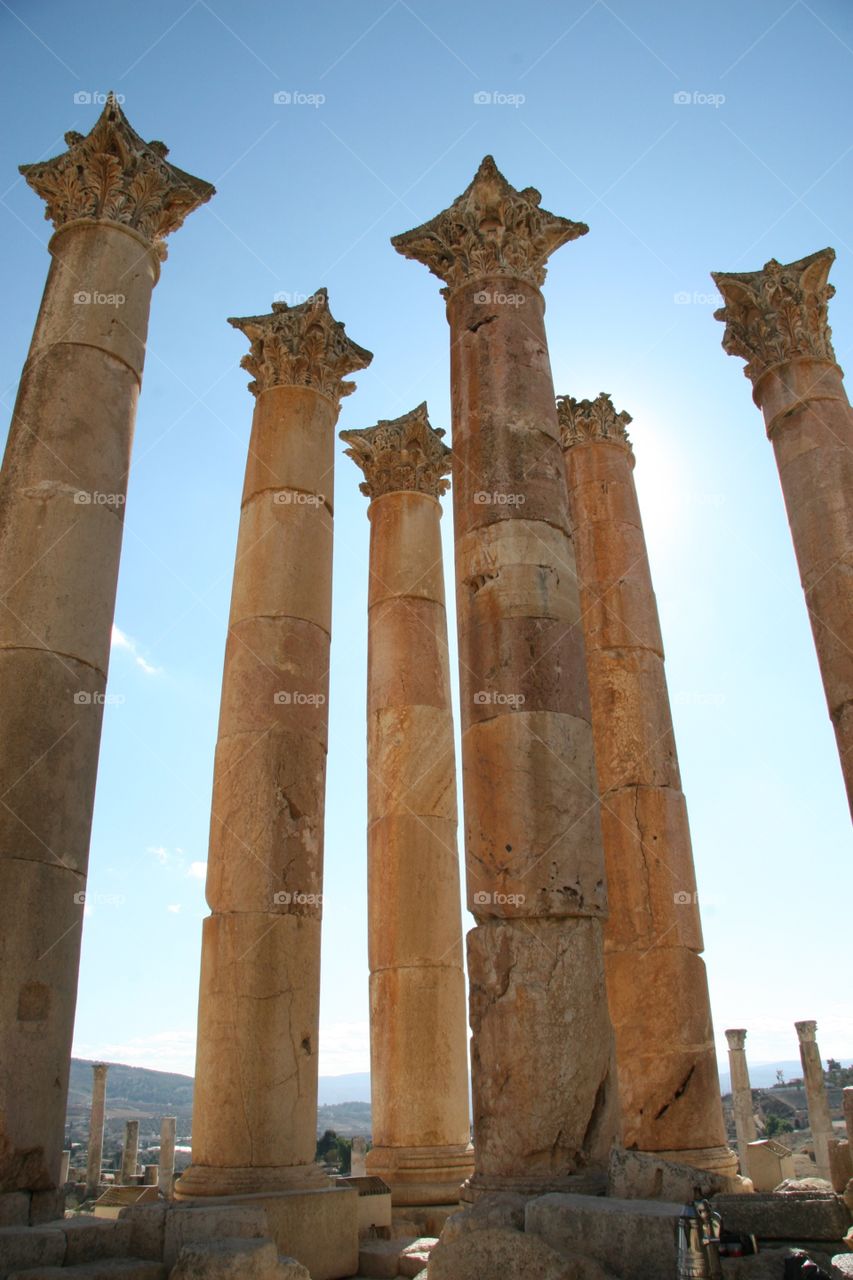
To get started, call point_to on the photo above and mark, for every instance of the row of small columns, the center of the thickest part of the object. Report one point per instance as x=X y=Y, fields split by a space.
x=536 y=639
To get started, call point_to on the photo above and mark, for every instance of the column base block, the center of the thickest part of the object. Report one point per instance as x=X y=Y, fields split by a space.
x=201 y=1180
x=590 y=1182
x=422 y=1175
x=318 y=1227
x=719 y=1160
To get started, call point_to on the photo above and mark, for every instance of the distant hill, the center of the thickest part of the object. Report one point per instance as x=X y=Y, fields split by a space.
x=140 y=1093
x=763 y=1074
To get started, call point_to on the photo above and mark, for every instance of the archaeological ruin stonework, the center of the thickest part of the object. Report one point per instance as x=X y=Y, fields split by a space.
x=113 y=199
x=533 y=853
x=657 y=988
x=777 y=320
x=419 y=1060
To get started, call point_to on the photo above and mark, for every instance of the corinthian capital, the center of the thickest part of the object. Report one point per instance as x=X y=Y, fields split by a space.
x=401 y=454
x=582 y=420
x=777 y=314
x=301 y=346
x=490 y=230
x=111 y=175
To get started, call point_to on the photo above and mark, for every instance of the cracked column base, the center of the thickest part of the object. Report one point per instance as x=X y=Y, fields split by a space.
x=719 y=1160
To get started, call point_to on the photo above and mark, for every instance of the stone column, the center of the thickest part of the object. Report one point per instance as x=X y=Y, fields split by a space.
x=542 y=1045
x=64 y=1165
x=112 y=198
x=776 y=319
x=358 y=1165
x=847 y=1096
x=255 y=1105
x=96 y=1128
x=741 y=1096
x=418 y=1049
x=166 y=1160
x=130 y=1152
x=820 y=1121
x=669 y=1086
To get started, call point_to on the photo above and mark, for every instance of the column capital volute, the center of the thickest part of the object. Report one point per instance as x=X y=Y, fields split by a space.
x=112 y=175
x=778 y=314
x=806 y=1031
x=301 y=346
x=401 y=455
x=491 y=230
x=736 y=1037
x=583 y=421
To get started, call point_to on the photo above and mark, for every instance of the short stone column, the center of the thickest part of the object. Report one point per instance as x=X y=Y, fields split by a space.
x=96 y=1128
x=112 y=198
x=669 y=1088
x=820 y=1121
x=741 y=1096
x=255 y=1103
x=166 y=1160
x=418 y=1049
x=544 y=1082
x=847 y=1098
x=64 y=1166
x=776 y=319
x=130 y=1152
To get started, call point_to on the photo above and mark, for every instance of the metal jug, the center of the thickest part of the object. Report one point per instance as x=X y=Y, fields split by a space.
x=699 y=1231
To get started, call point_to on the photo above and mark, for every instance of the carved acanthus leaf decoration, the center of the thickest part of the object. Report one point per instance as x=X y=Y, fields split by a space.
x=301 y=346
x=779 y=313
x=490 y=230
x=112 y=175
x=401 y=455
x=583 y=420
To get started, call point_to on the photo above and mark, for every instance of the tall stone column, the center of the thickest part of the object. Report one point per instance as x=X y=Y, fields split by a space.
x=741 y=1096
x=166 y=1160
x=130 y=1152
x=542 y=1046
x=820 y=1121
x=112 y=198
x=669 y=1086
x=96 y=1128
x=255 y=1103
x=776 y=319
x=418 y=1049
x=847 y=1097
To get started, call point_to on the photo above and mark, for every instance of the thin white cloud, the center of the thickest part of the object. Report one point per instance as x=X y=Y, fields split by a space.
x=160 y=852
x=120 y=640
x=174 y=908
x=162 y=1051
x=344 y=1048
x=197 y=870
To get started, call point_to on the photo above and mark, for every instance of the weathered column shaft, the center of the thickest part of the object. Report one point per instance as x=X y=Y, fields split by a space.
x=776 y=319
x=741 y=1096
x=847 y=1096
x=669 y=1087
x=255 y=1102
x=96 y=1128
x=419 y=1060
x=166 y=1160
x=130 y=1152
x=820 y=1121
x=542 y=1049
x=62 y=492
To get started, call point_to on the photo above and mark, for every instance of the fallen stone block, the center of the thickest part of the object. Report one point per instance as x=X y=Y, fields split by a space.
x=379 y=1259
x=511 y=1255
x=22 y=1247
x=789 y=1215
x=239 y=1259
x=634 y=1239
x=635 y=1175
x=88 y=1239
x=414 y=1258
x=191 y=1224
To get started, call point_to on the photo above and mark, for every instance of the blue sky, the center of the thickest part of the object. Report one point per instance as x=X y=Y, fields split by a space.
x=383 y=129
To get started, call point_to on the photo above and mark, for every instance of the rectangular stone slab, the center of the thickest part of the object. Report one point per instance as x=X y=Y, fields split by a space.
x=634 y=1239
x=785 y=1217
